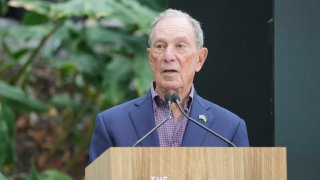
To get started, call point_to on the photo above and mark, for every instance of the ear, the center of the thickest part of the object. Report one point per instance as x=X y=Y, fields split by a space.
x=203 y=53
x=149 y=53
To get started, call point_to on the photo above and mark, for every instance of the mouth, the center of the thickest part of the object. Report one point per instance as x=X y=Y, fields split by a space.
x=169 y=71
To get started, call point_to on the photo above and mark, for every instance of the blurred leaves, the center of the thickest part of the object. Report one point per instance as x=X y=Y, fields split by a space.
x=18 y=100
x=31 y=18
x=33 y=175
x=47 y=175
x=2 y=177
x=3 y=7
x=13 y=99
x=64 y=62
x=7 y=145
x=54 y=175
x=157 y=5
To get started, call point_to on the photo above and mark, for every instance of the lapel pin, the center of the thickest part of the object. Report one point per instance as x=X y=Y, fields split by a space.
x=203 y=118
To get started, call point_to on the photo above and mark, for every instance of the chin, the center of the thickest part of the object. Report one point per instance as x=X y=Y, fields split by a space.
x=172 y=86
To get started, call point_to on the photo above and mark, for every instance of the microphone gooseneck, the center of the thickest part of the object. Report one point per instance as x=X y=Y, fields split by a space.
x=176 y=99
x=168 y=100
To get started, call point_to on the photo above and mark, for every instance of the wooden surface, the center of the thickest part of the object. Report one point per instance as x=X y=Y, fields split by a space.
x=190 y=163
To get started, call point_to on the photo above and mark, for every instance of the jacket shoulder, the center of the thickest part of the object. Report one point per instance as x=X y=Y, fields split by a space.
x=122 y=108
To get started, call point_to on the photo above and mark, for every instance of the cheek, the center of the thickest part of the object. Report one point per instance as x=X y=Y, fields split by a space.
x=191 y=65
x=152 y=62
x=188 y=69
x=155 y=67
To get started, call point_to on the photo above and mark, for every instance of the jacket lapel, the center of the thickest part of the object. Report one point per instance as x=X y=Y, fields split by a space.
x=142 y=118
x=195 y=135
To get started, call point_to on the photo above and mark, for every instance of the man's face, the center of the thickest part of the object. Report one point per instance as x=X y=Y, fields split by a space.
x=174 y=56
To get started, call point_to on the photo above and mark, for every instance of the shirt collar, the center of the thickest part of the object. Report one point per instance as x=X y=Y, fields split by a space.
x=159 y=102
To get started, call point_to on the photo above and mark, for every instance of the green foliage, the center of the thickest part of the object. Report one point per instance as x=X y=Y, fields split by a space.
x=12 y=99
x=47 y=175
x=74 y=57
x=34 y=174
x=156 y=5
x=54 y=175
x=7 y=145
x=15 y=98
x=3 y=7
x=2 y=177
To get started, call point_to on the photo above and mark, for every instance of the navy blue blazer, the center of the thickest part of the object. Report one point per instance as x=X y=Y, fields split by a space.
x=123 y=125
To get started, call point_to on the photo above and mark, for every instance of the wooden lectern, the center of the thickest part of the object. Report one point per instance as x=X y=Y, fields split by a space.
x=184 y=163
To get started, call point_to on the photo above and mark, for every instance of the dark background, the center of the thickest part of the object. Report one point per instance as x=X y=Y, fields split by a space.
x=267 y=74
x=297 y=85
x=238 y=73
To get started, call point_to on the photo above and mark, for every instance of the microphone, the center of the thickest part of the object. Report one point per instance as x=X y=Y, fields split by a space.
x=176 y=99
x=168 y=100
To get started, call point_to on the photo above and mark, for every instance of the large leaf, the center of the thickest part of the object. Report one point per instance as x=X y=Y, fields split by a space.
x=71 y=8
x=52 y=174
x=32 y=18
x=59 y=39
x=2 y=177
x=62 y=100
x=3 y=10
x=116 y=79
x=115 y=39
x=28 y=32
x=133 y=13
x=86 y=64
x=49 y=174
x=68 y=9
x=142 y=71
x=157 y=5
x=128 y=11
x=78 y=8
x=18 y=100
x=40 y=7
x=7 y=145
x=33 y=174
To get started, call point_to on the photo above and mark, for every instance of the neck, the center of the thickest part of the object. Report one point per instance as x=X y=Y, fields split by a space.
x=183 y=94
x=183 y=97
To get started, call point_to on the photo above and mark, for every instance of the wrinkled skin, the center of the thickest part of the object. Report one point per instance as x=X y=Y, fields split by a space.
x=174 y=56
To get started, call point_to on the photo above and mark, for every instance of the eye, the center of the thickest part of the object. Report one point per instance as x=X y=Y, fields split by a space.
x=181 y=45
x=159 y=46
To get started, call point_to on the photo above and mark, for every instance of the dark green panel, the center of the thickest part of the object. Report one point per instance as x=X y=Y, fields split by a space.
x=238 y=73
x=297 y=85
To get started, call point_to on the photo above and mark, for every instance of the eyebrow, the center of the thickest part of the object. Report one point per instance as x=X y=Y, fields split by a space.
x=179 y=38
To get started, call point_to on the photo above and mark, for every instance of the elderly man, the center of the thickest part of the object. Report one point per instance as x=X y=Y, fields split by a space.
x=175 y=54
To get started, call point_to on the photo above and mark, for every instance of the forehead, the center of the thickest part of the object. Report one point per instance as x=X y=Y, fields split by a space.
x=173 y=27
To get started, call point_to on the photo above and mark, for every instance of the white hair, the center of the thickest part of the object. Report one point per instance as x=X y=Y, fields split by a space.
x=177 y=13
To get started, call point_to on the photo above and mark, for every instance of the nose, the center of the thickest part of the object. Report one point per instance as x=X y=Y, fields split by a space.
x=169 y=54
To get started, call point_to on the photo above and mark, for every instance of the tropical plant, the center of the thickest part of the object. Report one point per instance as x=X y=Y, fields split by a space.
x=64 y=62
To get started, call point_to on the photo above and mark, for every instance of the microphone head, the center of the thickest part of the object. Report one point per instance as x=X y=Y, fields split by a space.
x=175 y=97
x=167 y=98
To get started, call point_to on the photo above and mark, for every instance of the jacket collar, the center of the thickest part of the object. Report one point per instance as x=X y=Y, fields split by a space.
x=142 y=118
x=195 y=135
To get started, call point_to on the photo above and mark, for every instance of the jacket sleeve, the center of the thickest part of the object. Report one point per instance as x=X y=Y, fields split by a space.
x=240 y=138
x=100 y=140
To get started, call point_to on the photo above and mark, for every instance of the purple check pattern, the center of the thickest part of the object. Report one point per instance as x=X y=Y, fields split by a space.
x=171 y=132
